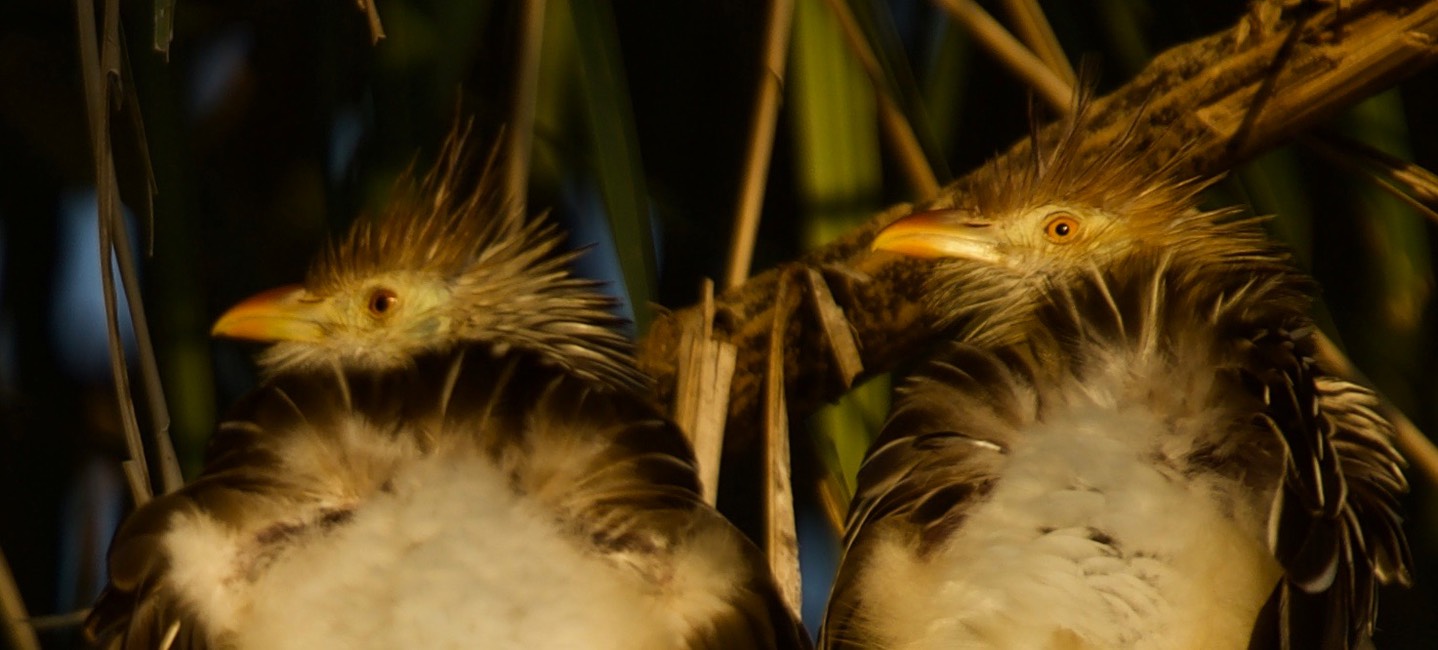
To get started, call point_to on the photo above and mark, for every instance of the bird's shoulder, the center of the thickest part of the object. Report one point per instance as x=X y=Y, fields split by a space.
x=1335 y=524
x=622 y=478
x=939 y=454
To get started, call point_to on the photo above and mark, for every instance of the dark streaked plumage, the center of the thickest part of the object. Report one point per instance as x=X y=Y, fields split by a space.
x=1127 y=442
x=452 y=448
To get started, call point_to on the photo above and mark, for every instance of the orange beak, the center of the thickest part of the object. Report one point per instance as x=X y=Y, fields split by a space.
x=939 y=233
x=286 y=313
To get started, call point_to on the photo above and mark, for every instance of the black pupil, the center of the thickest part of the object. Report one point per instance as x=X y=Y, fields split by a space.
x=1061 y=229
x=381 y=302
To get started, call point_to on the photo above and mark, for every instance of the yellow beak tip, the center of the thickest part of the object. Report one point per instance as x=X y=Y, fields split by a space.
x=275 y=315
x=937 y=234
x=913 y=235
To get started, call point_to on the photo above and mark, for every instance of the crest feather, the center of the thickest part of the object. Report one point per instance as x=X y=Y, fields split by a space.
x=429 y=225
x=508 y=276
x=1116 y=178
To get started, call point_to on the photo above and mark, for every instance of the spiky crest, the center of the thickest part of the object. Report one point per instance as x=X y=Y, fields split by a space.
x=505 y=279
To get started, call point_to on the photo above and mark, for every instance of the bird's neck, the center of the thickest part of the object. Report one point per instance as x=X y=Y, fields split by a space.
x=1152 y=308
x=565 y=323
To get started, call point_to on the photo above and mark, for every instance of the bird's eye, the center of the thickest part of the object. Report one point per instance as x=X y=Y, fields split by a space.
x=1062 y=228
x=381 y=301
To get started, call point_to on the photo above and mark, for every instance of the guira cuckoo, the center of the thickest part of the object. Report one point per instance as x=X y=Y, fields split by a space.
x=452 y=448
x=1123 y=440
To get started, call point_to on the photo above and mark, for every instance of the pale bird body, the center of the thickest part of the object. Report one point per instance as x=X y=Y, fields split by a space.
x=452 y=449
x=361 y=536
x=1082 y=540
x=1127 y=443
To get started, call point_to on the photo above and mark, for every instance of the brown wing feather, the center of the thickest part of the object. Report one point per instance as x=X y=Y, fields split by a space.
x=938 y=455
x=242 y=469
x=1336 y=527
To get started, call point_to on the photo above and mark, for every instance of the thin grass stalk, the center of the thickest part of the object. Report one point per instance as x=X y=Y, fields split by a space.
x=371 y=12
x=15 y=627
x=164 y=22
x=96 y=89
x=761 y=142
x=1417 y=448
x=142 y=141
x=112 y=60
x=60 y=621
x=154 y=390
x=1009 y=51
x=1405 y=181
x=526 y=94
x=1036 y=32
x=896 y=126
x=116 y=59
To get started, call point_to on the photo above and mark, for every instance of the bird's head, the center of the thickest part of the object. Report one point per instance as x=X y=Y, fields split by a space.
x=438 y=269
x=379 y=320
x=1022 y=231
x=1046 y=240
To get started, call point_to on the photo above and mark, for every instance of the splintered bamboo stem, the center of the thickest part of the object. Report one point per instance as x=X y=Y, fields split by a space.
x=781 y=530
x=701 y=405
